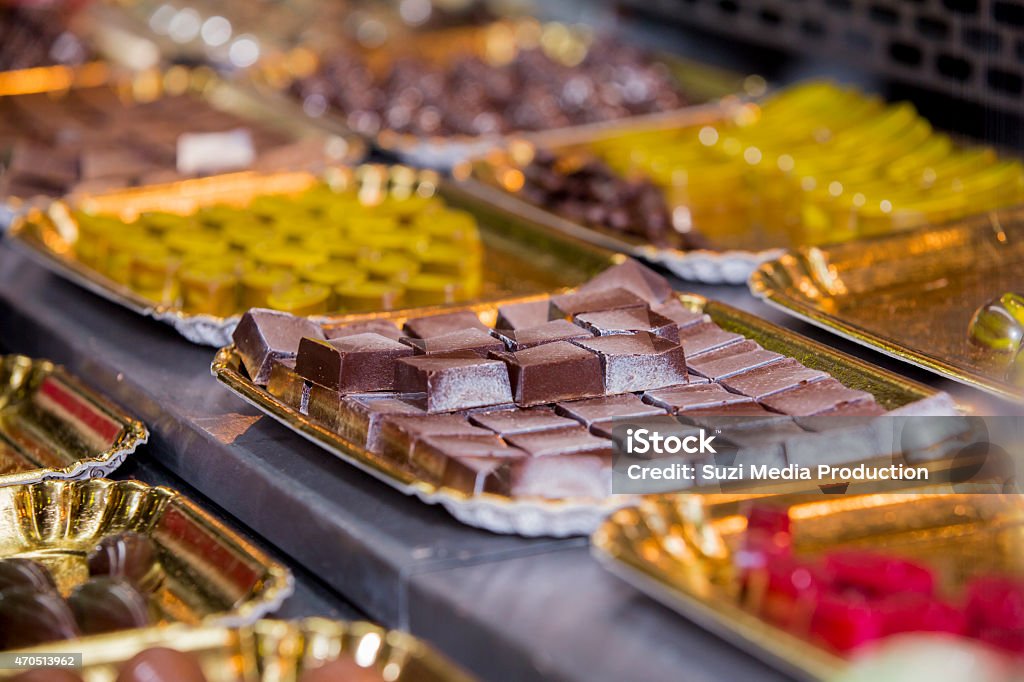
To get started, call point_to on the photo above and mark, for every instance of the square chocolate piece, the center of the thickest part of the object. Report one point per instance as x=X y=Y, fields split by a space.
x=475 y=475
x=628 y=321
x=637 y=362
x=455 y=383
x=516 y=420
x=351 y=364
x=440 y=457
x=383 y=327
x=705 y=337
x=568 y=305
x=733 y=416
x=548 y=332
x=732 y=359
x=694 y=397
x=575 y=440
x=266 y=335
x=464 y=340
x=762 y=382
x=566 y=477
x=287 y=386
x=633 y=277
x=552 y=372
x=815 y=398
x=399 y=434
x=592 y=410
x=523 y=315
x=674 y=310
x=436 y=325
x=360 y=415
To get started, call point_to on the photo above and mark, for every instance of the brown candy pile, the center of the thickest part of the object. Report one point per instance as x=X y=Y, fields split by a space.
x=37 y=36
x=589 y=192
x=527 y=408
x=471 y=96
x=123 y=569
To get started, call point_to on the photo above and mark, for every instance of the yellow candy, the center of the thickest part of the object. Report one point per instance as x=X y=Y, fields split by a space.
x=426 y=289
x=390 y=267
x=195 y=243
x=368 y=296
x=301 y=299
x=291 y=257
x=151 y=272
x=333 y=274
x=259 y=283
x=209 y=287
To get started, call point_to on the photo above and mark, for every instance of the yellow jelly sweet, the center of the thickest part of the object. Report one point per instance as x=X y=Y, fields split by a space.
x=287 y=256
x=152 y=271
x=162 y=222
x=367 y=296
x=196 y=243
x=333 y=274
x=209 y=287
x=259 y=283
x=426 y=289
x=301 y=299
x=390 y=267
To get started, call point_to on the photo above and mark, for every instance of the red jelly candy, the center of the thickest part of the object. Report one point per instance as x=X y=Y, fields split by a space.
x=878 y=575
x=994 y=602
x=767 y=536
x=785 y=587
x=844 y=623
x=1011 y=641
x=915 y=612
x=768 y=518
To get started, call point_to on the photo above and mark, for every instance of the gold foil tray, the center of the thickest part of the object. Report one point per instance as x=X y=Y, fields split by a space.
x=266 y=651
x=909 y=295
x=562 y=517
x=701 y=83
x=677 y=549
x=53 y=427
x=519 y=258
x=211 y=575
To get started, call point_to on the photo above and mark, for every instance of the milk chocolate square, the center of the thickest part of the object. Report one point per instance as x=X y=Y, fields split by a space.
x=705 y=337
x=732 y=359
x=548 y=332
x=455 y=383
x=360 y=415
x=436 y=325
x=627 y=321
x=442 y=457
x=552 y=372
x=517 y=420
x=523 y=315
x=762 y=382
x=383 y=327
x=633 y=277
x=398 y=434
x=464 y=340
x=592 y=410
x=351 y=364
x=265 y=335
x=815 y=398
x=693 y=397
x=637 y=362
x=739 y=415
x=674 y=310
x=574 y=440
x=568 y=305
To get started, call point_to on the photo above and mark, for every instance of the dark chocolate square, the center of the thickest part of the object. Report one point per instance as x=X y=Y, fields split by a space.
x=398 y=434
x=627 y=321
x=692 y=397
x=455 y=383
x=602 y=409
x=505 y=422
x=778 y=376
x=575 y=440
x=523 y=315
x=732 y=359
x=351 y=364
x=815 y=398
x=383 y=327
x=674 y=310
x=549 y=332
x=568 y=305
x=436 y=325
x=634 y=277
x=265 y=335
x=637 y=362
x=464 y=340
x=552 y=372
x=705 y=337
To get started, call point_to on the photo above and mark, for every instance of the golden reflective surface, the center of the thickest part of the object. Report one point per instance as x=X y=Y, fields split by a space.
x=267 y=651
x=53 y=426
x=910 y=295
x=210 y=573
x=679 y=550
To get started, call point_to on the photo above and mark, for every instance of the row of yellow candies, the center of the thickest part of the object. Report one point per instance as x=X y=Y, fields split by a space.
x=310 y=254
x=824 y=162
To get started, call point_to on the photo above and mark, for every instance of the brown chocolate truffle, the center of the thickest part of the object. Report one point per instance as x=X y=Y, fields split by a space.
x=127 y=555
x=107 y=605
x=28 y=618
x=17 y=572
x=160 y=664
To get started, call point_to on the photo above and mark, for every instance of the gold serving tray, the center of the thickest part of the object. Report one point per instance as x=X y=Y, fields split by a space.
x=54 y=427
x=518 y=257
x=212 y=575
x=677 y=550
x=151 y=84
x=266 y=651
x=537 y=516
x=702 y=83
x=909 y=295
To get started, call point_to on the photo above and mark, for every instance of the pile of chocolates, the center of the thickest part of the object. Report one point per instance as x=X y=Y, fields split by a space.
x=526 y=408
x=92 y=139
x=33 y=36
x=318 y=252
x=123 y=571
x=471 y=95
x=161 y=664
x=587 y=191
x=847 y=598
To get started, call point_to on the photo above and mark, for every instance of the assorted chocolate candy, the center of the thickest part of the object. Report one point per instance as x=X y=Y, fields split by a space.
x=317 y=252
x=560 y=82
x=94 y=139
x=527 y=408
x=123 y=571
x=847 y=598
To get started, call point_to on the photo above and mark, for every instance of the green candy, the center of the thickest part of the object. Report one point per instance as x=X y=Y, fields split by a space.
x=999 y=324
